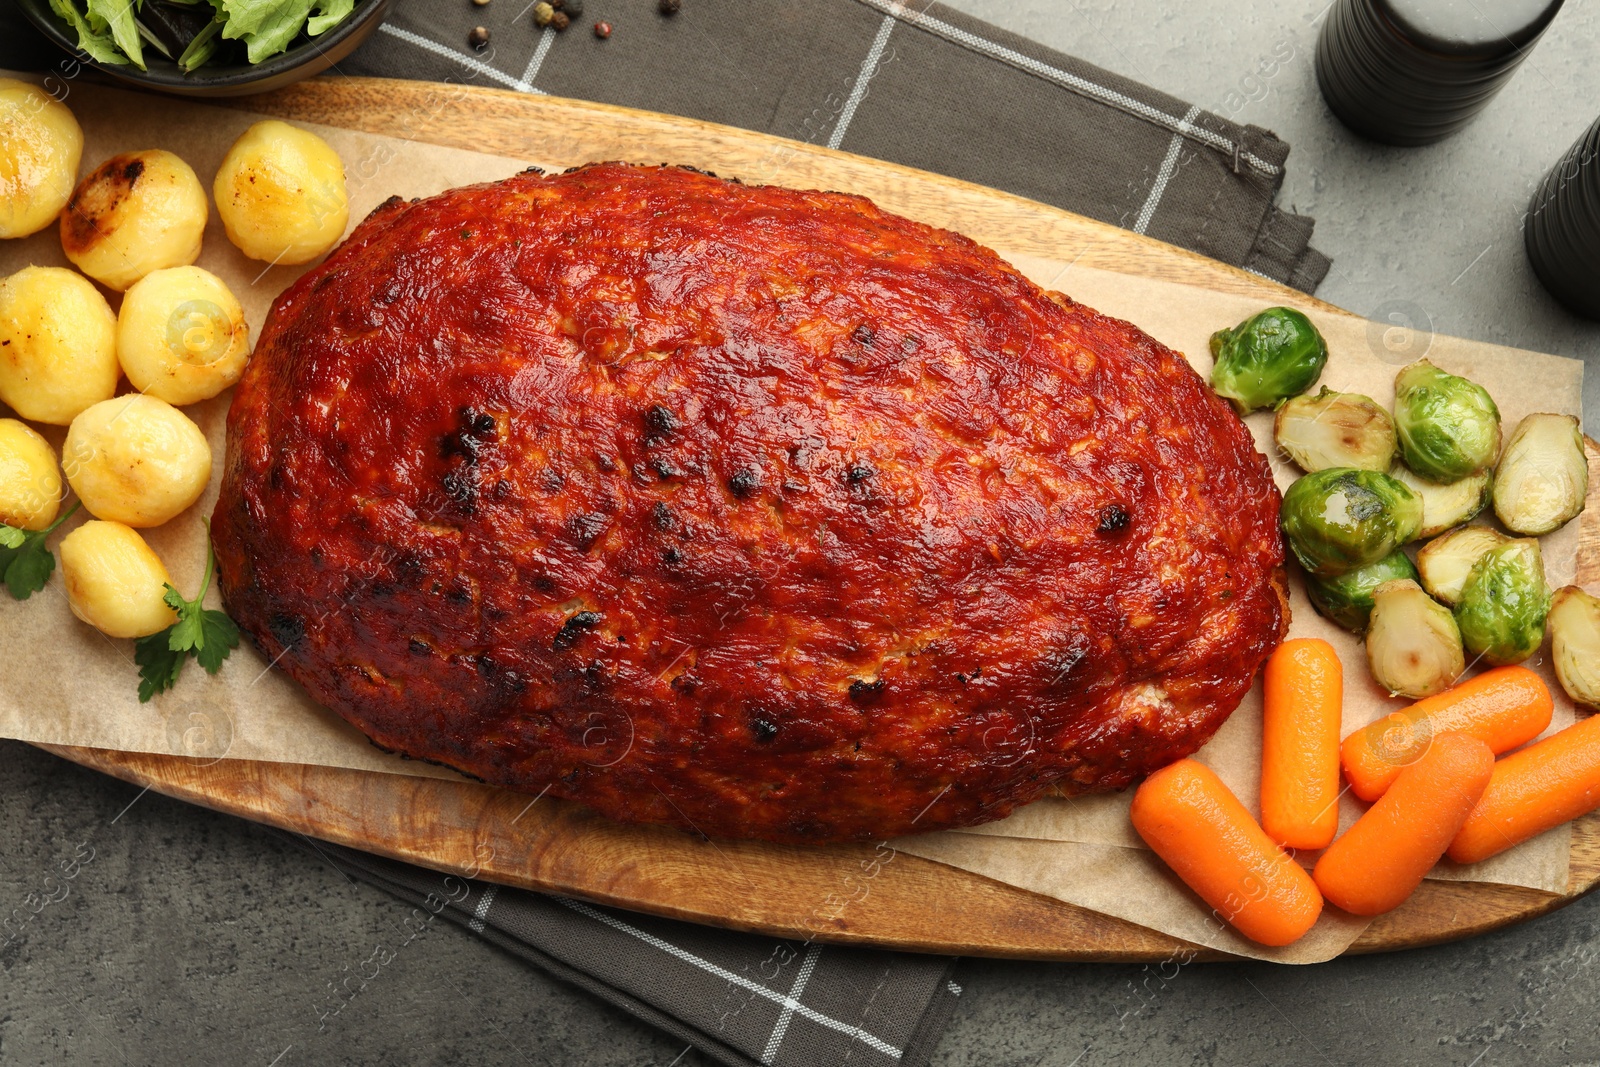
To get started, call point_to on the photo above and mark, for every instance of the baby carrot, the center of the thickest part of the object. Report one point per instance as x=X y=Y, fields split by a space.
x=1380 y=861
x=1503 y=708
x=1304 y=694
x=1200 y=829
x=1540 y=787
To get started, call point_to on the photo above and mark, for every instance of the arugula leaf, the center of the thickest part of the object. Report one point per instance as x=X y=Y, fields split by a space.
x=208 y=635
x=25 y=559
x=97 y=45
x=329 y=14
x=117 y=16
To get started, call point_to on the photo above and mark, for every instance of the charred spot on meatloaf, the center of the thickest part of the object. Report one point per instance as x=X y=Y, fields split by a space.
x=758 y=511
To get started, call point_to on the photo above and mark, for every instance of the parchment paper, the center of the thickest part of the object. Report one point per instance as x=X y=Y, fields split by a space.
x=63 y=683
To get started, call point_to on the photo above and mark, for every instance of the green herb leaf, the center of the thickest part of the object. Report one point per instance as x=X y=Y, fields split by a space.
x=25 y=559
x=206 y=634
x=159 y=666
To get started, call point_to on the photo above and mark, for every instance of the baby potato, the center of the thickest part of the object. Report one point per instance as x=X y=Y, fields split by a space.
x=281 y=195
x=138 y=212
x=30 y=481
x=39 y=157
x=58 y=344
x=181 y=335
x=136 y=460
x=115 y=582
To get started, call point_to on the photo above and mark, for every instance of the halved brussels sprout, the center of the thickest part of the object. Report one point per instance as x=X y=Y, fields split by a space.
x=1347 y=598
x=1447 y=506
x=1413 y=646
x=1448 y=426
x=1273 y=354
x=1335 y=430
x=1575 y=644
x=1543 y=475
x=1445 y=562
x=1504 y=604
x=1341 y=518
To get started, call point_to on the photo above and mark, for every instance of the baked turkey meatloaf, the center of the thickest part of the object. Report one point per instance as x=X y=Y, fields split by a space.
x=757 y=511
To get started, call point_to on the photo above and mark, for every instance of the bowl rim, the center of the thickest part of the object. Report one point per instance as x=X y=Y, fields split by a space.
x=162 y=72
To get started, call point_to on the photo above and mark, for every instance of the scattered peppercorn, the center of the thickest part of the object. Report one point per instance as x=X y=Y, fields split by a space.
x=480 y=3
x=542 y=14
x=559 y=21
x=478 y=38
x=573 y=8
x=602 y=30
x=669 y=7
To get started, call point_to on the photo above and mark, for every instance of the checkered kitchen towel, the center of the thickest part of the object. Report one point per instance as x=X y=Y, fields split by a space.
x=909 y=82
x=740 y=998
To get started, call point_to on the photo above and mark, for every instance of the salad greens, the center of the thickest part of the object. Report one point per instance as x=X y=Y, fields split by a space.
x=190 y=32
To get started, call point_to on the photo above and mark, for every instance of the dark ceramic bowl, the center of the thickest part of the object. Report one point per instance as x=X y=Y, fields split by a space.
x=223 y=78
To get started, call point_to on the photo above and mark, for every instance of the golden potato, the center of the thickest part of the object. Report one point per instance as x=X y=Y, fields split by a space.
x=281 y=195
x=181 y=335
x=136 y=460
x=115 y=582
x=30 y=481
x=138 y=212
x=58 y=344
x=39 y=156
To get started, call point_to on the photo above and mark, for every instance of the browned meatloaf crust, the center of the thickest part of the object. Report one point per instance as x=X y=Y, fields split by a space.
x=753 y=510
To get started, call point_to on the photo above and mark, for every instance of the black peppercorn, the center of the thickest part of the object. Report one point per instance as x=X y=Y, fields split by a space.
x=602 y=30
x=559 y=21
x=478 y=38
x=669 y=7
x=573 y=8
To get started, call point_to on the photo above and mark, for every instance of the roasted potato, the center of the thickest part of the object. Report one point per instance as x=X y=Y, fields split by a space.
x=138 y=212
x=181 y=335
x=136 y=460
x=115 y=582
x=281 y=195
x=30 y=481
x=39 y=156
x=58 y=344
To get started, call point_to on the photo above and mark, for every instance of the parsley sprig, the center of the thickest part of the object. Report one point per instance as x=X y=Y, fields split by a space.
x=206 y=634
x=25 y=560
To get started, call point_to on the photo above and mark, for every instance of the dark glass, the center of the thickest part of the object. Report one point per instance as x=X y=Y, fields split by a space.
x=1412 y=72
x=1562 y=228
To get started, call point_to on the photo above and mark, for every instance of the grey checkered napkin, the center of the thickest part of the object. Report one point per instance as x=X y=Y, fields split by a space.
x=740 y=998
x=913 y=83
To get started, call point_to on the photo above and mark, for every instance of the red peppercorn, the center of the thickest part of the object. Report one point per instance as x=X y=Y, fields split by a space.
x=602 y=30
x=559 y=21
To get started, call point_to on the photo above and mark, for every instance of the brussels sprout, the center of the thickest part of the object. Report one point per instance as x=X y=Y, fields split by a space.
x=1575 y=644
x=1347 y=598
x=1503 y=606
x=1448 y=426
x=1445 y=562
x=1335 y=430
x=1543 y=476
x=1273 y=354
x=1447 y=506
x=1340 y=519
x=1414 y=646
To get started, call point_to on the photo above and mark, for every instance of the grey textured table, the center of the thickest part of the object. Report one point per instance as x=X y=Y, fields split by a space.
x=189 y=937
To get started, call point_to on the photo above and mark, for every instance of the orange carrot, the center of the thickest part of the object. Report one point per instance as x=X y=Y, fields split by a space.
x=1206 y=836
x=1532 y=791
x=1380 y=861
x=1503 y=708
x=1304 y=686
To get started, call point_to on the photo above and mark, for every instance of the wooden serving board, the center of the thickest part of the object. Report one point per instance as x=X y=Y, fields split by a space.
x=848 y=894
